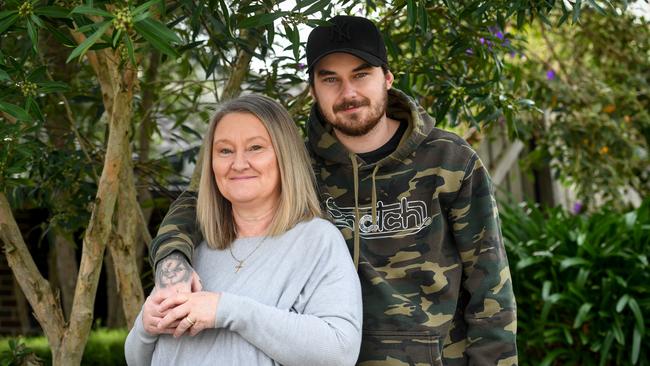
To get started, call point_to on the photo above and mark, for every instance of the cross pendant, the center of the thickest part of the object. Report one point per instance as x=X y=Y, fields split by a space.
x=238 y=267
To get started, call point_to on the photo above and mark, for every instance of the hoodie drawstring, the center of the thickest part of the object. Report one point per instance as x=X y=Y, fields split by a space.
x=374 y=226
x=355 y=173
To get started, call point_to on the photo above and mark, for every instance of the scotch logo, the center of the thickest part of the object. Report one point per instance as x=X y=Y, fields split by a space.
x=396 y=219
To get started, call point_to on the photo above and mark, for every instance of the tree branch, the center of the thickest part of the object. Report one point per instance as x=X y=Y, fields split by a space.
x=37 y=290
x=242 y=65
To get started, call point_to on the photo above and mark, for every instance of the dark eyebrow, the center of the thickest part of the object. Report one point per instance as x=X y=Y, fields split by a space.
x=363 y=66
x=325 y=72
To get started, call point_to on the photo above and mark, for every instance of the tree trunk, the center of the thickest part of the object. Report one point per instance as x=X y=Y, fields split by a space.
x=123 y=247
x=66 y=269
x=99 y=229
x=144 y=143
x=22 y=307
x=115 y=315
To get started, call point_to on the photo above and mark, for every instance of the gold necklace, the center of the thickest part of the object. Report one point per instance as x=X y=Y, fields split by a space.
x=240 y=263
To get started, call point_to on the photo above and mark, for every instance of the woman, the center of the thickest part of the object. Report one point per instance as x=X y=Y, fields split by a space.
x=279 y=286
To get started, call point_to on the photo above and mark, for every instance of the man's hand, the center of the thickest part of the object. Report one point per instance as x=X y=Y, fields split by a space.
x=174 y=275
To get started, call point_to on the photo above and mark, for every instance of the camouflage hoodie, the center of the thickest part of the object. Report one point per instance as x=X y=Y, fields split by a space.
x=434 y=273
x=423 y=229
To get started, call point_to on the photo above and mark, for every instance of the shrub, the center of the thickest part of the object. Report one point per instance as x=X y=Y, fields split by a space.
x=105 y=347
x=581 y=284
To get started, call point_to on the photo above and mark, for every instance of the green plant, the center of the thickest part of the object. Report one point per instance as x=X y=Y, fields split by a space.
x=581 y=284
x=18 y=354
x=105 y=347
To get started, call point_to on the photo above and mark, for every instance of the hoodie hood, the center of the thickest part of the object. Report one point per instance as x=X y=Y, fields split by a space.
x=401 y=107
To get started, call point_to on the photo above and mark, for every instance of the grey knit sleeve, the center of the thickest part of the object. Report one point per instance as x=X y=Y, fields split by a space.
x=139 y=345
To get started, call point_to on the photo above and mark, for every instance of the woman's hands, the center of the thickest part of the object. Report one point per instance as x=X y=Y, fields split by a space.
x=174 y=275
x=189 y=311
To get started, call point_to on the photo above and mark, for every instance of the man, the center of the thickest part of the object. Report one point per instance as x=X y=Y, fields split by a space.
x=414 y=203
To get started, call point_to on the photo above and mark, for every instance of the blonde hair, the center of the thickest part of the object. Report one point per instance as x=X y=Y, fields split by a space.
x=298 y=198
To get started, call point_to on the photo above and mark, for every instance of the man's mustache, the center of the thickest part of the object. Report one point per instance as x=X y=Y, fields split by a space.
x=348 y=104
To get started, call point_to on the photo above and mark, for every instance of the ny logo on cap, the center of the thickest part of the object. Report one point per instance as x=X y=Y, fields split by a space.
x=340 y=32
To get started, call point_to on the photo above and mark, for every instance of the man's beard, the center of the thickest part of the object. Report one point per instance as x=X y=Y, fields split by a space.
x=352 y=125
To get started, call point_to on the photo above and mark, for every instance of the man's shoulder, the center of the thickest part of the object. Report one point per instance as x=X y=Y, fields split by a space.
x=447 y=144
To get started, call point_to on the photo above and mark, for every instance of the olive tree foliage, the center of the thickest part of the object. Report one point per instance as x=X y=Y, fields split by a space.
x=593 y=82
x=89 y=88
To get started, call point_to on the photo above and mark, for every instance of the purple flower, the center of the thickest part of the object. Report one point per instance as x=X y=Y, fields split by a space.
x=499 y=34
x=550 y=74
x=469 y=51
x=481 y=40
x=301 y=66
x=577 y=207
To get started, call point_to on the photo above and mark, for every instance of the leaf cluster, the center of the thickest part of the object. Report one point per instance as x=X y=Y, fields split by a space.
x=581 y=284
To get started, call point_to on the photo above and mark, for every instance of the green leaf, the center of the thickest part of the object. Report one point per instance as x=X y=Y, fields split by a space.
x=85 y=45
x=32 y=107
x=618 y=332
x=15 y=111
x=6 y=13
x=148 y=32
x=638 y=315
x=620 y=305
x=129 y=48
x=604 y=353
x=636 y=345
x=576 y=10
x=91 y=27
x=37 y=21
x=319 y=6
x=88 y=10
x=33 y=34
x=63 y=37
x=8 y=22
x=526 y=102
x=582 y=314
x=37 y=74
x=160 y=30
x=52 y=86
x=142 y=8
x=302 y=4
x=141 y=17
x=52 y=11
x=598 y=8
x=4 y=75
x=411 y=16
x=575 y=261
x=226 y=17
x=551 y=356
x=115 y=37
x=261 y=20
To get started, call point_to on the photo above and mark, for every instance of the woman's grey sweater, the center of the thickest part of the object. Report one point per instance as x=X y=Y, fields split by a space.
x=296 y=301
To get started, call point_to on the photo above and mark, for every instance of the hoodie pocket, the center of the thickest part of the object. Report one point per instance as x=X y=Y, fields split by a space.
x=399 y=348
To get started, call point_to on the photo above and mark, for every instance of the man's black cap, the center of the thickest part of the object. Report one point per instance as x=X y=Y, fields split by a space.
x=354 y=35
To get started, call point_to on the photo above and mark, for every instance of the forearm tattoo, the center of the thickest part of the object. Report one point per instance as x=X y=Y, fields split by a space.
x=172 y=270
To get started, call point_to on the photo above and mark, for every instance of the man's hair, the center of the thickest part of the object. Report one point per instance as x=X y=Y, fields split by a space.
x=384 y=68
x=298 y=199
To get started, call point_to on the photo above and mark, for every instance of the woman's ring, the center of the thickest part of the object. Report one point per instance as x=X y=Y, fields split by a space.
x=189 y=320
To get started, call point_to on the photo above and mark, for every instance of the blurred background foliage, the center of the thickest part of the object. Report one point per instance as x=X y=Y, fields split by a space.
x=569 y=78
x=593 y=83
